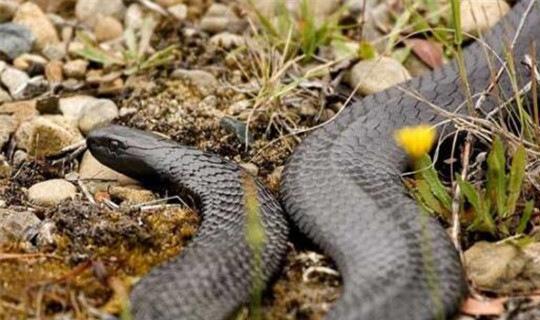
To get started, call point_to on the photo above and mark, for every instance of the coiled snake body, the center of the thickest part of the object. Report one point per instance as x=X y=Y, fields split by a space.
x=341 y=187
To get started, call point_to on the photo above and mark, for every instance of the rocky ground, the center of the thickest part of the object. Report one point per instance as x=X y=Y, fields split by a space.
x=227 y=77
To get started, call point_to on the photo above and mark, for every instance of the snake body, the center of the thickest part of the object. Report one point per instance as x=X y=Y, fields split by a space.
x=341 y=187
x=216 y=272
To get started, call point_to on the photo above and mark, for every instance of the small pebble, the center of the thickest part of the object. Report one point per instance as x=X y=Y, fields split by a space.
x=15 y=81
x=251 y=168
x=375 y=75
x=51 y=192
x=218 y=18
x=53 y=72
x=203 y=80
x=108 y=28
x=31 y=63
x=97 y=114
x=15 y=39
x=7 y=9
x=72 y=107
x=46 y=135
x=54 y=51
x=178 y=11
x=17 y=225
x=31 y=16
x=90 y=11
x=111 y=87
x=76 y=68
x=227 y=40
x=19 y=157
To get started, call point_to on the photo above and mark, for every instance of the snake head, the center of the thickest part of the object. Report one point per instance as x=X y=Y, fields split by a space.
x=130 y=151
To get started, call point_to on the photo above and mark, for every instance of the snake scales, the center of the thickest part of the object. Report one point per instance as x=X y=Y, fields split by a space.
x=341 y=187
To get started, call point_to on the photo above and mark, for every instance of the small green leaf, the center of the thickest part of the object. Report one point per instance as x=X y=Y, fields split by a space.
x=366 y=50
x=525 y=217
x=517 y=173
x=428 y=200
x=483 y=220
x=496 y=176
x=429 y=174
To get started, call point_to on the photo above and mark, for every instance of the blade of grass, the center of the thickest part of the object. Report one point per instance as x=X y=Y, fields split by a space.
x=483 y=220
x=525 y=217
x=429 y=174
x=515 y=181
x=496 y=176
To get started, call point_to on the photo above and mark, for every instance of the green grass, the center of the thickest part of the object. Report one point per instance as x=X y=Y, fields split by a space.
x=134 y=55
x=307 y=34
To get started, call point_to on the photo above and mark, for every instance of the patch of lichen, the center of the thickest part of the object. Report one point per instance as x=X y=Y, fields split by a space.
x=92 y=246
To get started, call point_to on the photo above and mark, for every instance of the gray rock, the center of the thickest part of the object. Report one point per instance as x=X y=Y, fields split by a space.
x=15 y=81
x=54 y=51
x=15 y=39
x=17 y=225
x=96 y=114
x=371 y=76
x=89 y=11
x=238 y=128
x=51 y=192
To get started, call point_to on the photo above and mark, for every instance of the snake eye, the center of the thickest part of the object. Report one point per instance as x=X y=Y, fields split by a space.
x=115 y=145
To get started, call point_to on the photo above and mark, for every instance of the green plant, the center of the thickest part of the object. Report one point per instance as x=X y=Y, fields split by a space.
x=134 y=57
x=494 y=206
x=307 y=33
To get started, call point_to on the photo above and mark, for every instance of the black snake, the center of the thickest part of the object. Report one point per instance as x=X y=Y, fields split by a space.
x=341 y=187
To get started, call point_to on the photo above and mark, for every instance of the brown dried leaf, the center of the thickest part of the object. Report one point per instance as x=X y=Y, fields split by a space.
x=431 y=53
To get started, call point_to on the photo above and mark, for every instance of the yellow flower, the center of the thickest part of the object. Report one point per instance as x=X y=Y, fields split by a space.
x=416 y=140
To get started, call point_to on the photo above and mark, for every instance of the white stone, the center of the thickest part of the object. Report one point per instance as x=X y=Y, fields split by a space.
x=374 y=75
x=51 y=192
x=478 y=16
